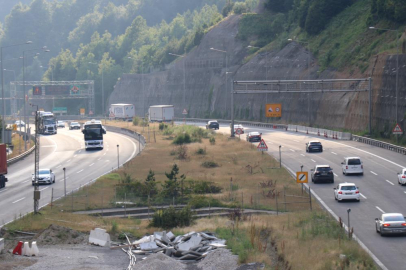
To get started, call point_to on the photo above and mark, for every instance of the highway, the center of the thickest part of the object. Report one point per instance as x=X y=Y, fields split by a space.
x=380 y=190
x=65 y=149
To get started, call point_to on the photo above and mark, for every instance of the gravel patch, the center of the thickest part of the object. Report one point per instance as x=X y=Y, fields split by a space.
x=58 y=235
x=159 y=261
x=220 y=259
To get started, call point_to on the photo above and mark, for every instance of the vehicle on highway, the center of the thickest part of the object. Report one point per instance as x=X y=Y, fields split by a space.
x=390 y=223
x=3 y=165
x=322 y=173
x=346 y=191
x=402 y=177
x=254 y=136
x=240 y=127
x=74 y=125
x=60 y=124
x=212 y=124
x=47 y=123
x=20 y=123
x=45 y=176
x=313 y=146
x=352 y=165
x=93 y=131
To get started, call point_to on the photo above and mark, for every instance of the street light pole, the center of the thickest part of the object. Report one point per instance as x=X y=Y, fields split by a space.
x=213 y=49
x=184 y=78
x=36 y=163
x=118 y=156
x=2 y=85
x=349 y=227
x=397 y=68
x=64 y=179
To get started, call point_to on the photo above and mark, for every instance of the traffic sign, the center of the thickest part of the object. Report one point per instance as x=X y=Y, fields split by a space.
x=184 y=111
x=262 y=146
x=238 y=131
x=90 y=112
x=301 y=177
x=273 y=110
x=82 y=111
x=397 y=130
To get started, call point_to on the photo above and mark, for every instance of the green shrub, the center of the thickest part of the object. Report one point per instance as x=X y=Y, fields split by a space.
x=210 y=164
x=182 y=139
x=170 y=218
x=212 y=140
x=163 y=126
x=203 y=187
x=136 y=121
x=114 y=227
x=201 y=151
x=240 y=8
x=202 y=201
x=237 y=241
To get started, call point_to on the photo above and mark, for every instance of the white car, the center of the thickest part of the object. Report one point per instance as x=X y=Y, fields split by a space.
x=20 y=123
x=402 y=177
x=352 y=165
x=60 y=124
x=346 y=191
x=45 y=176
x=390 y=223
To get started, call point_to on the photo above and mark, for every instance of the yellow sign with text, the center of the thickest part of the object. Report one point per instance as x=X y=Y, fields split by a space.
x=273 y=110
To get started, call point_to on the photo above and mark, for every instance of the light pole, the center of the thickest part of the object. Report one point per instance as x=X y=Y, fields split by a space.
x=2 y=85
x=349 y=228
x=280 y=156
x=397 y=67
x=14 y=76
x=184 y=77
x=64 y=179
x=102 y=69
x=118 y=156
x=36 y=164
x=225 y=52
x=27 y=122
x=308 y=74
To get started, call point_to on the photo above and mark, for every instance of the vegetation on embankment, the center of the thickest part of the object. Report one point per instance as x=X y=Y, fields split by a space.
x=298 y=238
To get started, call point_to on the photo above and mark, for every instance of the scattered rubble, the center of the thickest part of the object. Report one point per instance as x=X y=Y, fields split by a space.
x=58 y=235
x=220 y=259
x=159 y=261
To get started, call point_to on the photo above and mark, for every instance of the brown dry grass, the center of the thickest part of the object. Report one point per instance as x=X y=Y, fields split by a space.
x=18 y=141
x=297 y=240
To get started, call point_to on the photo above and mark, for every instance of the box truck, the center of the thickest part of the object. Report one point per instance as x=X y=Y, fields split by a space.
x=161 y=113
x=3 y=165
x=122 y=111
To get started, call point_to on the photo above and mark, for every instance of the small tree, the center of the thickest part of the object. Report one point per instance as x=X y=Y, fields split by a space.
x=150 y=183
x=171 y=186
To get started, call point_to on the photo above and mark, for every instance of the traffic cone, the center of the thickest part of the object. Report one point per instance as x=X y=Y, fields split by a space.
x=18 y=250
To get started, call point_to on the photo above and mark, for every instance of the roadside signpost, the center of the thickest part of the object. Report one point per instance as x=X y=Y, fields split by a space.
x=184 y=113
x=238 y=131
x=397 y=130
x=301 y=177
x=82 y=111
x=273 y=110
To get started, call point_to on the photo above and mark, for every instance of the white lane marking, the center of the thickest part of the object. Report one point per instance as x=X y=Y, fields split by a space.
x=335 y=174
x=313 y=160
x=68 y=160
x=58 y=166
x=390 y=182
x=98 y=158
x=333 y=153
x=80 y=151
x=292 y=150
x=362 y=195
x=107 y=160
x=404 y=192
x=74 y=155
x=61 y=180
x=43 y=189
x=6 y=189
x=134 y=147
x=19 y=200
x=302 y=155
x=295 y=140
x=380 y=209
x=26 y=181
x=374 y=173
x=48 y=146
x=91 y=165
x=104 y=154
x=80 y=171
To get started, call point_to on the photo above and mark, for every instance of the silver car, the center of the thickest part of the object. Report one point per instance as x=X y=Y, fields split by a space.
x=45 y=176
x=390 y=223
x=402 y=177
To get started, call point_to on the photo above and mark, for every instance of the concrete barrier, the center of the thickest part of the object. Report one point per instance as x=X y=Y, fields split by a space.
x=1 y=245
x=34 y=249
x=99 y=237
x=26 y=251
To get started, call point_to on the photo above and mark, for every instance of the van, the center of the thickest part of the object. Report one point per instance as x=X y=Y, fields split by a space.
x=352 y=165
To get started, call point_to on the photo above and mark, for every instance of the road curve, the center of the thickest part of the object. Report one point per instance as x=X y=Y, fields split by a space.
x=65 y=149
x=378 y=186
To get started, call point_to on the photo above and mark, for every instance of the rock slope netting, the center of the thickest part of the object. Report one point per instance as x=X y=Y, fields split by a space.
x=201 y=83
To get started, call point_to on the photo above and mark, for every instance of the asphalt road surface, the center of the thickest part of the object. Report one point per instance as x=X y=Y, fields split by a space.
x=65 y=149
x=380 y=191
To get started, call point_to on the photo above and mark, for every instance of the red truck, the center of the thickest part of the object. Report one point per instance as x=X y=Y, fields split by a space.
x=3 y=165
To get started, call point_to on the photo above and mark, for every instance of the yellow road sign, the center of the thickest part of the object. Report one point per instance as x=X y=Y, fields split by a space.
x=82 y=111
x=301 y=177
x=273 y=110
x=14 y=127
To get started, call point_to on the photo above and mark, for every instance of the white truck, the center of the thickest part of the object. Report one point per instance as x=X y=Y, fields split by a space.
x=122 y=111
x=161 y=113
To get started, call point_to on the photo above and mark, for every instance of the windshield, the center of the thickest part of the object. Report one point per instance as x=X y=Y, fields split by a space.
x=348 y=188
x=394 y=218
x=43 y=171
x=49 y=122
x=323 y=169
x=74 y=124
x=354 y=162
x=315 y=143
x=93 y=134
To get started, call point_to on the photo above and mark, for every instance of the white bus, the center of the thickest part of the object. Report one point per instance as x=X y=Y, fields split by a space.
x=93 y=133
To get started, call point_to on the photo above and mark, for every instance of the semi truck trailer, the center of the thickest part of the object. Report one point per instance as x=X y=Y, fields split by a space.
x=161 y=113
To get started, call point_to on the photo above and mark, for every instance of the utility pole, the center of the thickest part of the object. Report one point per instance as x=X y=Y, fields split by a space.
x=64 y=179
x=37 y=193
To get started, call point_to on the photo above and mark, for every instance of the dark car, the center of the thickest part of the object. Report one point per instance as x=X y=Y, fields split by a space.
x=314 y=146
x=254 y=137
x=213 y=124
x=322 y=173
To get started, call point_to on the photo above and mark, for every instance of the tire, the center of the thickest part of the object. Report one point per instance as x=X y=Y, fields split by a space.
x=362 y=174
x=376 y=228
x=332 y=181
x=54 y=180
x=335 y=198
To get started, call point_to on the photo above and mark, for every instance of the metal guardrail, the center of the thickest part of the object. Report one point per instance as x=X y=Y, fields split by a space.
x=245 y=123
x=381 y=144
x=128 y=132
